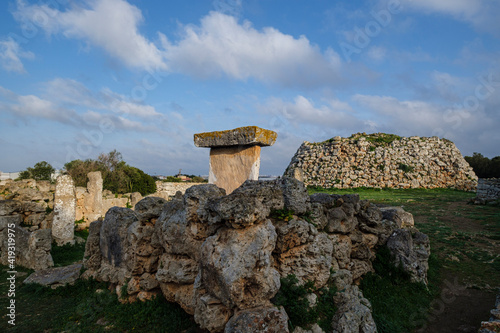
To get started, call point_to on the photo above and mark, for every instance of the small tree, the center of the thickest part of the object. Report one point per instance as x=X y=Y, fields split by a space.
x=40 y=171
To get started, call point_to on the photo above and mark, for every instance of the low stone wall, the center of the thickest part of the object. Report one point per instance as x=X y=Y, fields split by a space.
x=221 y=256
x=488 y=189
x=382 y=160
x=493 y=325
x=166 y=189
x=31 y=249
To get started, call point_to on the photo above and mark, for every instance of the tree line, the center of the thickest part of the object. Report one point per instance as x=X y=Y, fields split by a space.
x=118 y=177
x=483 y=166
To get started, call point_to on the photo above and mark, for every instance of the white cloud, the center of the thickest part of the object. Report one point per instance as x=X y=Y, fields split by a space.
x=220 y=45
x=73 y=93
x=377 y=53
x=11 y=54
x=31 y=106
x=109 y=24
x=482 y=14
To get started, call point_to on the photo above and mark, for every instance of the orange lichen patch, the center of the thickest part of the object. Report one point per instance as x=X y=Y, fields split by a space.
x=241 y=136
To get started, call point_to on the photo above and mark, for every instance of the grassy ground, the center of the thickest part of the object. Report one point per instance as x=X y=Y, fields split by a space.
x=465 y=246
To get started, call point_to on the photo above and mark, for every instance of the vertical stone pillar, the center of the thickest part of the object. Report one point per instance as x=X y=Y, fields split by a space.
x=63 y=225
x=93 y=197
x=234 y=154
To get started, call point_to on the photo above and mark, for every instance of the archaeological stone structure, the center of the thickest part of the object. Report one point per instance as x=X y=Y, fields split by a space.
x=234 y=154
x=221 y=257
x=488 y=191
x=382 y=160
x=63 y=224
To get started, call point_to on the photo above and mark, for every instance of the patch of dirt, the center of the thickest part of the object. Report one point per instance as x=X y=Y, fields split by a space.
x=460 y=311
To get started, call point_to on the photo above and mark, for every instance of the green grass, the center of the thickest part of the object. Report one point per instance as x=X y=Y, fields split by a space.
x=87 y=306
x=394 y=299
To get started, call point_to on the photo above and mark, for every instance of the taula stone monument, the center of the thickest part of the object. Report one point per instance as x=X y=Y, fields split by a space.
x=234 y=154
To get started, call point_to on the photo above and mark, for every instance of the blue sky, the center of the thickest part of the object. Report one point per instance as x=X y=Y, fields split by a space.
x=78 y=78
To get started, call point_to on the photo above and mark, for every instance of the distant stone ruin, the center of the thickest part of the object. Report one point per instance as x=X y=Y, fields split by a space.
x=234 y=154
x=488 y=191
x=382 y=160
x=221 y=257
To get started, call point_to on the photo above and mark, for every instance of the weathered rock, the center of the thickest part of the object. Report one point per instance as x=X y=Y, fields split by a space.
x=149 y=208
x=237 y=266
x=241 y=136
x=113 y=241
x=64 y=211
x=182 y=294
x=135 y=198
x=32 y=249
x=295 y=195
x=8 y=207
x=265 y=320
x=93 y=199
x=410 y=250
x=398 y=215
x=177 y=269
x=304 y=252
x=56 y=276
x=353 y=313
x=92 y=246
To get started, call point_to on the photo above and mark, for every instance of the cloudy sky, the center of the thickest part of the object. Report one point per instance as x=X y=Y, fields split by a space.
x=78 y=78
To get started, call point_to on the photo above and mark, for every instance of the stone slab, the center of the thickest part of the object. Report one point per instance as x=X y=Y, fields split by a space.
x=232 y=166
x=241 y=136
x=55 y=277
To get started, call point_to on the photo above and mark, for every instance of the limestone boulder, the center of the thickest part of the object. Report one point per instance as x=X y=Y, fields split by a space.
x=265 y=320
x=149 y=208
x=410 y=250
x=92 y=256
x=303 y=251
x=113 y=240
x=177 y=269
x=295 y=195
x=353 y=313
x=237 y=267
x=9 y=207
x=398 y=215
x=55 y=277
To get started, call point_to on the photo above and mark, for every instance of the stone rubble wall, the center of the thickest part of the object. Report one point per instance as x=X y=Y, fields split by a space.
x=488 y=189
x=32 y=249
x=366 y=161
x=166 y=190
x=221 y=257
x=493 y=325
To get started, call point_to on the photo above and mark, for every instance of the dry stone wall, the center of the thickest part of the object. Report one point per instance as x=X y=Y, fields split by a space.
x=382 y=160
x=221 y=256
x=488 y=190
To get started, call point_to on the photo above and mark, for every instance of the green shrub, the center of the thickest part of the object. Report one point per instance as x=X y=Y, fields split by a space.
x=405 y=168
x=292 y=297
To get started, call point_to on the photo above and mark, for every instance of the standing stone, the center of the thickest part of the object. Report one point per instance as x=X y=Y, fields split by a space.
x=234 y=154
x=93 y=197
x=64 y=211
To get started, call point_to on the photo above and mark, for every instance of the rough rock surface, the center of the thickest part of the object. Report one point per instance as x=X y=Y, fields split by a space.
x=220 y=257
x=64 y=211
x=411 y=250
x=266 y=320
x=241 y=136
x=56 y=276
x=382 y=160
